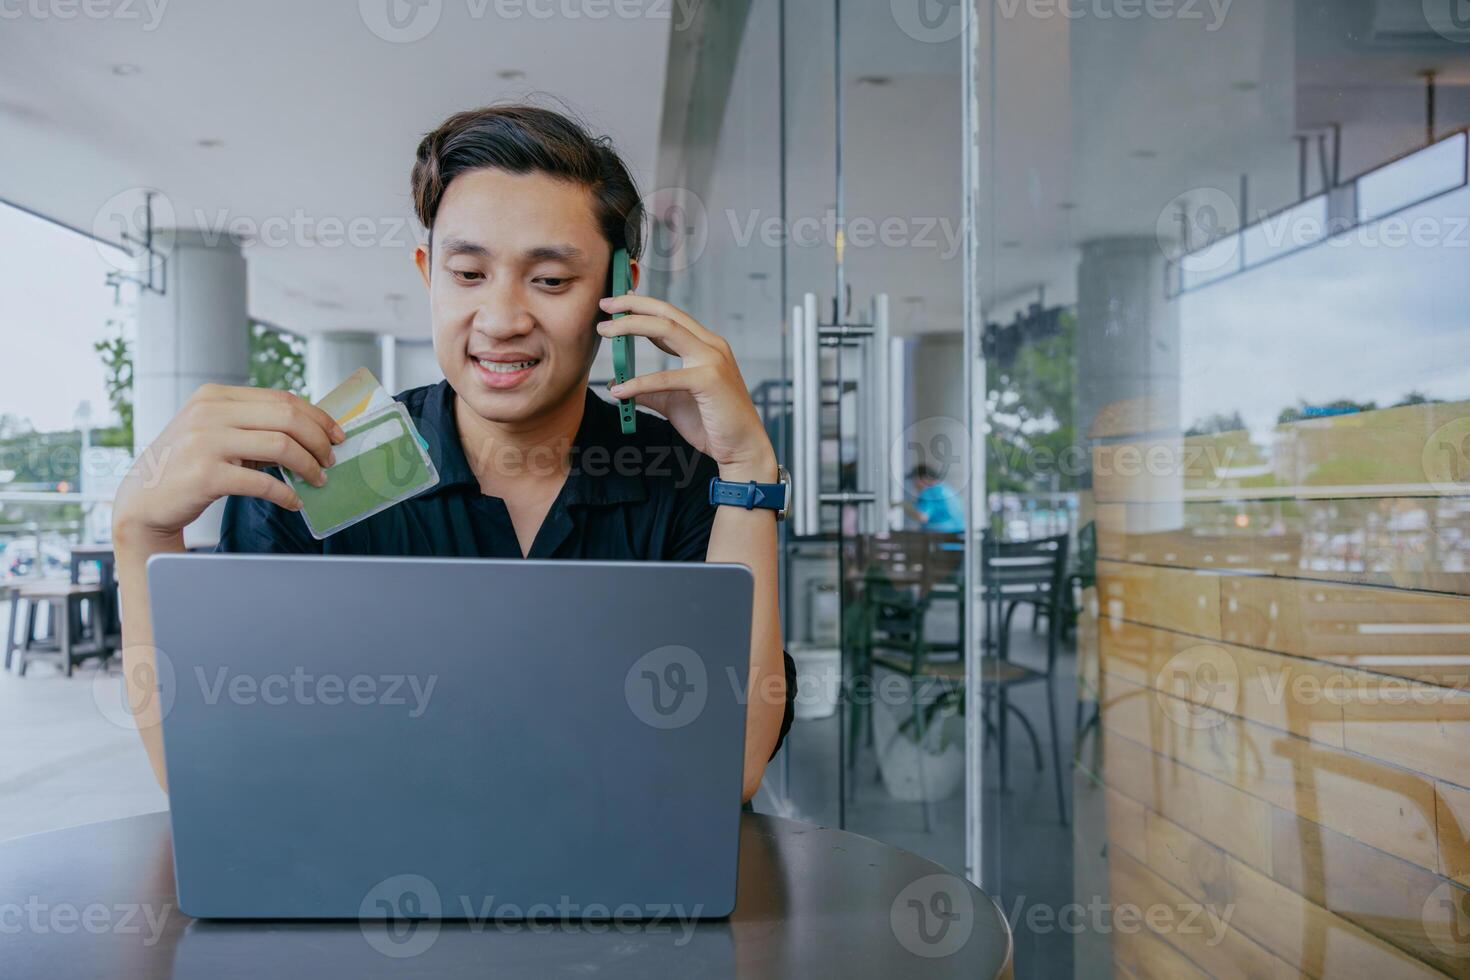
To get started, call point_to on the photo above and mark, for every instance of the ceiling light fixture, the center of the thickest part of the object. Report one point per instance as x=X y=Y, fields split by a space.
x=123 y=69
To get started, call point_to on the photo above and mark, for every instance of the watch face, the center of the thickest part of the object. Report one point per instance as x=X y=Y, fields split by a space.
x=784 y=478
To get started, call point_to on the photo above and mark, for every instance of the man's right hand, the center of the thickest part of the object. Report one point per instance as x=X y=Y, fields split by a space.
x=216 y=446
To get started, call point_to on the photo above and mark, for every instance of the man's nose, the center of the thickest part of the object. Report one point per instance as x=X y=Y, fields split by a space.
x=501 y=311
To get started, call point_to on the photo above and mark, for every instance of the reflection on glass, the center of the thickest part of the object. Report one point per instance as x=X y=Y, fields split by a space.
x=1271 y=391
x=1430 y=171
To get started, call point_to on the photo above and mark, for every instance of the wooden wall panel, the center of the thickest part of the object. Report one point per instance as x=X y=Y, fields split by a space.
x=1170 y=598
x=1454 y=832
x=1256 y=684
x=1200 y=931
x=1412 y=908
x=1282 y=647
x=1402 y=542
x=1390 y=808
x=1410 y=634
x=1412 y=725
x=1295 y=929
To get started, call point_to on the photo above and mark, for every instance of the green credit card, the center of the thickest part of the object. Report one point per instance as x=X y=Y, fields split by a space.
x=381 y=463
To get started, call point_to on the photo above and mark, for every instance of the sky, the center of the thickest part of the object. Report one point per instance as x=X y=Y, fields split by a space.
x=54 y=304
x=1366 y=317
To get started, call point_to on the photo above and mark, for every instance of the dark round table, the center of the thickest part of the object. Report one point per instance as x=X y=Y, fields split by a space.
x=98 y=901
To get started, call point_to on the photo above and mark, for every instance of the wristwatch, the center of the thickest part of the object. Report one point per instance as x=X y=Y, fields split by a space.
x=768 y=496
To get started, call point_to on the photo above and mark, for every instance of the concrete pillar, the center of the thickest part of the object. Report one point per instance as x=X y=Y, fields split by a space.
x=414 y=364
x=1128 y=381
x=332 y=356
x=197 y=332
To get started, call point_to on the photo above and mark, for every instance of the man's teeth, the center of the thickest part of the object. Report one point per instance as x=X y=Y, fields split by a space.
x=505 y=367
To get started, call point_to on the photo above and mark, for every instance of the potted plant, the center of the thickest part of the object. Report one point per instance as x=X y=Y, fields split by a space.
x=930 y=771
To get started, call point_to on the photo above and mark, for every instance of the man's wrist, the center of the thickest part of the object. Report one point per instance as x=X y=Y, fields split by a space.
x=761 y=470
x=136 y=540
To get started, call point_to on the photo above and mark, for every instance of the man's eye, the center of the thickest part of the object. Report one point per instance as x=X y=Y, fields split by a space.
x=467 y=275
x=553 y=282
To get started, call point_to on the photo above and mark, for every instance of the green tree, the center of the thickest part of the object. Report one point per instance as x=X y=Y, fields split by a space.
x=1029 y=401
x=117 y=363
x=277 y=359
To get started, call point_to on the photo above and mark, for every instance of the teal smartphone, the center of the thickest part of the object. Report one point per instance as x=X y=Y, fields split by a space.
x=621 y=282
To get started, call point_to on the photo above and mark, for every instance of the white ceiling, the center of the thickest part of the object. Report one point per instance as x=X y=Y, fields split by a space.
x=318 y=118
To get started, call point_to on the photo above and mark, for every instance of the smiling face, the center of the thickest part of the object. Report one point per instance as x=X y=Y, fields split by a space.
x=517 y=266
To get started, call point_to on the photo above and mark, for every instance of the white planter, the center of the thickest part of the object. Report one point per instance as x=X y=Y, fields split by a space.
x=900 y=757
x=818 y=678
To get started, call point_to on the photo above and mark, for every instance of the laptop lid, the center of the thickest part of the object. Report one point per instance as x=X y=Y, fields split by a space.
x=359 y=737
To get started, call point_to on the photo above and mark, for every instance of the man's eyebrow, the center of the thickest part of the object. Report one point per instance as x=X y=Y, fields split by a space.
x=554 y=253
x=460 y=246
x=536 y=253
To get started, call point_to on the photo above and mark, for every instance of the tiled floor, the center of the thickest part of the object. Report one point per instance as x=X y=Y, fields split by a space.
x=62 y=761
x=1028 y=853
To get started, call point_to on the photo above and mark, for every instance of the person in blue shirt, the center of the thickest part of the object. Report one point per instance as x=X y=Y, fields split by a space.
x=936 y=507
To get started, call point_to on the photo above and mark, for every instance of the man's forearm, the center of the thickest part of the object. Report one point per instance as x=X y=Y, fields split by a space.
x=139 y=667
x=748 y=537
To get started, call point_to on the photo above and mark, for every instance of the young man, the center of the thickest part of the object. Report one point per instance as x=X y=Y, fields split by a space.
x=523 y=211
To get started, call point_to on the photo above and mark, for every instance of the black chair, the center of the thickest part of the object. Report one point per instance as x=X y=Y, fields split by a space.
x=903 y=574
x=1014 y=573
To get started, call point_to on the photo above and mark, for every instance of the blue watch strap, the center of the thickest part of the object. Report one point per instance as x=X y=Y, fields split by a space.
x=768 y=496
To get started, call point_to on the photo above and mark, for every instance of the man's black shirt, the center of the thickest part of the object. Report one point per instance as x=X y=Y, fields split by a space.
x=638 y=497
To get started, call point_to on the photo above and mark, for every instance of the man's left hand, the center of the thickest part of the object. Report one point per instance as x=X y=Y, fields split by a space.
x=705 y=399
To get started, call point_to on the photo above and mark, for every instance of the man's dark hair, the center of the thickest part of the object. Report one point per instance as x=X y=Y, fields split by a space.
x=923 y=471
x=522 y=139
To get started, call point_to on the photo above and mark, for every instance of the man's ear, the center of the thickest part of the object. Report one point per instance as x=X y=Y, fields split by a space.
x=633 y=271
x=421 y=258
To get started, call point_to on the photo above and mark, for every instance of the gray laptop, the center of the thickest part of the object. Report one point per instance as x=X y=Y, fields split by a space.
x=452 y=738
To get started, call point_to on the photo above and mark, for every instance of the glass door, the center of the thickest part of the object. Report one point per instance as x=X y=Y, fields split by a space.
x=875 y=293
x=817 y=147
